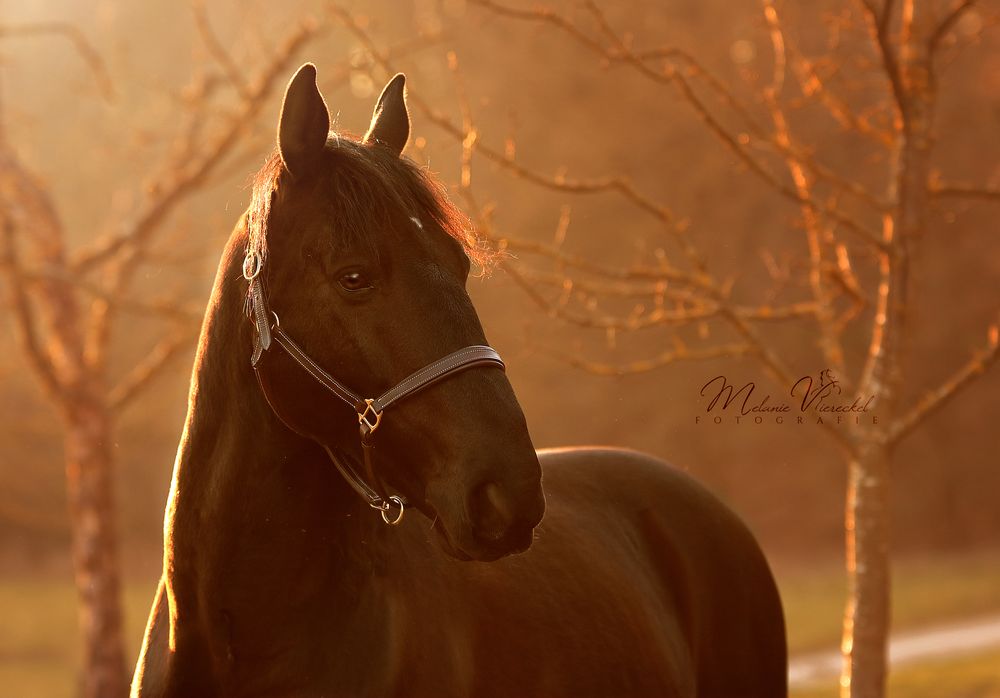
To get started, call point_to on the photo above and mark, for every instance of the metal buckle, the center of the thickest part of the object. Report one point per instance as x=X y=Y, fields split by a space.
x=365 y=421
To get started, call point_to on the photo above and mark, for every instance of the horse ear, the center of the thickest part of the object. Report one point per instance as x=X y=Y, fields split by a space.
x=390 y=121
x=304 y=123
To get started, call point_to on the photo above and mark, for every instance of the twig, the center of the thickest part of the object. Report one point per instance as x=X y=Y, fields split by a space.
x=829 y=340
x=946 y=24
x=173 y=192
x=164 y=307
x=812 y=84
x=879 y=24
x=958 y=191
x=144 y=372
x=658 y=273
x=24 y=319
x=80 y=43
x=940 y=396
x=653 y=363
x=659 y=290
x=216 y=49
x=691 y=309
x=617 y=185
x=622 y=52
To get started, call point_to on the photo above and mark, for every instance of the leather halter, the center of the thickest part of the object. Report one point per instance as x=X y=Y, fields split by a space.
x=368 y=410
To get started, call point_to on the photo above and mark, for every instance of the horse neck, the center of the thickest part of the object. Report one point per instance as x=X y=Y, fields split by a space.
x=239 y=470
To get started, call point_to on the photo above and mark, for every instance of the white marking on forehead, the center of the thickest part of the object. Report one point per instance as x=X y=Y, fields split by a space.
x=416 y=222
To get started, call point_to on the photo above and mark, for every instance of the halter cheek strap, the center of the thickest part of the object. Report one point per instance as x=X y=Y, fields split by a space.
x=252 y=266
x=369 y=410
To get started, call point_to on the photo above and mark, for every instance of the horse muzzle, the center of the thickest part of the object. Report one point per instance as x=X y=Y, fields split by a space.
x=495 y=521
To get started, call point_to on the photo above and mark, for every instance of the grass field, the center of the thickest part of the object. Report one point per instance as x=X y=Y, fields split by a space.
x=38 y=643
x=977 y=676
x=39 y=654
x=926 y=591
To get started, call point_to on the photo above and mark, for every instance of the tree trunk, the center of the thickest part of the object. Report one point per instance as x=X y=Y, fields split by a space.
x=866 y=620
x=90 y=489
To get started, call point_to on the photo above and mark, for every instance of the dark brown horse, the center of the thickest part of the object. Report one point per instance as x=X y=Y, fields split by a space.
x=281 y=580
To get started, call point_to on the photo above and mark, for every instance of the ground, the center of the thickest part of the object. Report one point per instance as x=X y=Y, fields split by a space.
x=38 y=651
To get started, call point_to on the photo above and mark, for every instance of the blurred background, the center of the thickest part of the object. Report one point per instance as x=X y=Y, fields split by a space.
x=109 y=110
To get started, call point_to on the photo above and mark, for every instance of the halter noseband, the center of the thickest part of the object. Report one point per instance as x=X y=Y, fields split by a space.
x=368 y=410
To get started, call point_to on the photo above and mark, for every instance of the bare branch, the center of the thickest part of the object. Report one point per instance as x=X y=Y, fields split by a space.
x=879 y=26
x=634 y=57
x=175 y=190
x=24 y=318
x=548 y=16
x=818 y=237
x=216 y=50
x=768 y=357
x=845 y=277
x=940 y=396
x=690 y=309
x=733 y=143
x=144 y=372
x=651 y=364
x=959 y=191
x=618 y=185
x=694 y=66
x=946 y=24
x=813 y=84
x=671 y=75
x=80 y=43
x=30 y=211
x=584 y=284
x=660 y=273
x=164 y=307
x=595 y=320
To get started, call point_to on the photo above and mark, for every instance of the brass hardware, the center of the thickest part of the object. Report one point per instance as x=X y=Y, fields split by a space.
x=365 y=421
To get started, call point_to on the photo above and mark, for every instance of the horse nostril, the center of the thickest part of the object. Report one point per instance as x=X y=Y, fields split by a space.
x=490 y=511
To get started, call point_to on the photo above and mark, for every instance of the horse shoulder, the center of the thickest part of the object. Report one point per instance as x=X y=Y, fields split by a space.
x=710 y=568
x=682 y=522
x=626 y=480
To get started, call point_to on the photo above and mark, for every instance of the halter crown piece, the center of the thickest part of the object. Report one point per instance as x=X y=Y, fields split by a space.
x=369 y=410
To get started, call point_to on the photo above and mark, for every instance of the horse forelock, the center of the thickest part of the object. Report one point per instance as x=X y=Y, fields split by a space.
x=368 y=188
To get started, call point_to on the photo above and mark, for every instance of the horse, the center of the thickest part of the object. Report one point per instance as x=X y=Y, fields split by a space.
x=289 y=567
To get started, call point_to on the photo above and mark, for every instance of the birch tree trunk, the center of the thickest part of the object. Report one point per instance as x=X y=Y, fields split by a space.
x=90 y=489
x=63 y=304
x=867 y=614
x=868 y=517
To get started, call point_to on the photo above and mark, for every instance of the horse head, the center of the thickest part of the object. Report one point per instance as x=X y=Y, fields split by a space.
x=365 y=261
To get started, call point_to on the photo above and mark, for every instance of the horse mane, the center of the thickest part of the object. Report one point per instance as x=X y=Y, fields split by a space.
x=369 y=187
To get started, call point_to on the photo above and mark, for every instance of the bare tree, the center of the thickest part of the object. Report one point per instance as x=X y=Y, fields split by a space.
x=68 y=305
x=846 y=223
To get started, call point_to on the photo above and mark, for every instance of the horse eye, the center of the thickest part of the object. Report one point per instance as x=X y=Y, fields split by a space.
x=355 y=281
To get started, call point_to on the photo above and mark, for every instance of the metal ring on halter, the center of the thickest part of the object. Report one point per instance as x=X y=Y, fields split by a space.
x=252 y=272
x=385 y=508
x=277 y=322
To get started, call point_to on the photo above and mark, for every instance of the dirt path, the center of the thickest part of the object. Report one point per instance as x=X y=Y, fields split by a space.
x=941 y=641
